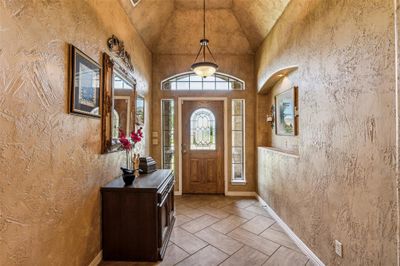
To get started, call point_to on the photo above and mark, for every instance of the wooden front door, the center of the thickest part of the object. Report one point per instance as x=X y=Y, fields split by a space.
x=203 y=146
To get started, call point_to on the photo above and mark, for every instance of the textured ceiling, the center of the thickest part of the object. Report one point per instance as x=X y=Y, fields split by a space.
x=232 y=26
x=257 y=17
x=149 y=18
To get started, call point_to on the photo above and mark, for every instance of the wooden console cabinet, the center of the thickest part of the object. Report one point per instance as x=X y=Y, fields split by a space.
x=137 y=220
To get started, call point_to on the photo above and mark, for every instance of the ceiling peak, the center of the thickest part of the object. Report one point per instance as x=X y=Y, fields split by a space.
x=233 y=26
x=198 y=4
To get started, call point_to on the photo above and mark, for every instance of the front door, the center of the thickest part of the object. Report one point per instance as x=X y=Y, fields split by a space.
x=203 y=146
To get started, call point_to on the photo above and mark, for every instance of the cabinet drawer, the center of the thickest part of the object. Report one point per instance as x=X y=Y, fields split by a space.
x=165 y=189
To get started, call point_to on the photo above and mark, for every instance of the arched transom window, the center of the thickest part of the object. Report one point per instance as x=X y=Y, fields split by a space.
x=202 y=130
x=191 y=82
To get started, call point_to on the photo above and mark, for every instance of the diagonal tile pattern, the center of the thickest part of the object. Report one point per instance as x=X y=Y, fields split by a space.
x=261 y=244
x=219 y=240
x=285 y=256
x=181 y=219
x=246 y=256
x=280 y=238
x=228 y=224
x=218 y=230
x=186 y=241
x=258 y=224
x=214 y=212
x=208 y=256
x=276 y=227
x=200 y=223
x=173 y=255
x=235 y=210
x=258 y=209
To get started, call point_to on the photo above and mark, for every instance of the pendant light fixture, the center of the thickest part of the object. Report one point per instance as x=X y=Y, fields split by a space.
x=204 y=68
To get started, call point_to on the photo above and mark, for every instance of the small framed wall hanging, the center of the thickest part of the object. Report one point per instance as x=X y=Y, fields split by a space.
x=84 y=84
x=285 y=107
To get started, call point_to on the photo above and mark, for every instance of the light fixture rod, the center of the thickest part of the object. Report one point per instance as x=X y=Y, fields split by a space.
x=204 y=53
x=208 y=48
x=204 y=68
x=204 y=19
x=197 y=56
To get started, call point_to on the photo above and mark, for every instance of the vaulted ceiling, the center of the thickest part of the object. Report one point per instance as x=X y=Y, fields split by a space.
x=232 y=26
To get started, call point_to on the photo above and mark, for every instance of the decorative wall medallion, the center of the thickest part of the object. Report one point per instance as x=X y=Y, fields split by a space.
x=84 y=84
x=271 y=116
x=117 y=48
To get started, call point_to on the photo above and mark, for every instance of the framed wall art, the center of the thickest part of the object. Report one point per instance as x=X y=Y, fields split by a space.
x=84 y=84
x=285 y=107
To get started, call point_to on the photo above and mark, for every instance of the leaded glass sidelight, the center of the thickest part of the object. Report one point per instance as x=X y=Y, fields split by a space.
x=238 y=173
x=168 y=124
x=202 y=130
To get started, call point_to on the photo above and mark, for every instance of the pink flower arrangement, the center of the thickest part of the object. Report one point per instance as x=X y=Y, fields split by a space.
x=137 y=136
x=128 y=143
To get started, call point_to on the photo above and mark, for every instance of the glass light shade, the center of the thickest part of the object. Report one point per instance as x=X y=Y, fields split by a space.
x=204 y=69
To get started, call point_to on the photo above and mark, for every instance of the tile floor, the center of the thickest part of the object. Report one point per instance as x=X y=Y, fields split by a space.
x=217 y=230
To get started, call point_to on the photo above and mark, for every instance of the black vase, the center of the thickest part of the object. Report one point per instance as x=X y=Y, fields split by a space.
x=128 y=176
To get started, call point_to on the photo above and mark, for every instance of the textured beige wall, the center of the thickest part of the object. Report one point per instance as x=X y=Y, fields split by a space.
x=343 y=186
x=51 y=167
x=241 y=66
x=397 y=29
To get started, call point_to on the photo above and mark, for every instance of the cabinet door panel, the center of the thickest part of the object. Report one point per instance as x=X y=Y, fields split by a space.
x=164 y=221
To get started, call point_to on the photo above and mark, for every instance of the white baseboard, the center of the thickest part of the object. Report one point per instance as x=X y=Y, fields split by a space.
x=240 y=193
x=96 y=261
x=229 y=193
x=300 y=244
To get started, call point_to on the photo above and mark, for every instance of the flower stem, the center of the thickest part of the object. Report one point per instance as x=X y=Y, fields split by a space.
x=128 y=159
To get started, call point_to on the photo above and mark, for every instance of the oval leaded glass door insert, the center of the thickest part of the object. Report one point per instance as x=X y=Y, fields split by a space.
x=202 y=130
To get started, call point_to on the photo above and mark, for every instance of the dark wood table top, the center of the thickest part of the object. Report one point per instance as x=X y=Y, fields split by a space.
x=152 y=181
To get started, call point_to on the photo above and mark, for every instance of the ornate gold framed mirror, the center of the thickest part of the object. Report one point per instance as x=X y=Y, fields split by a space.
x=118 y=107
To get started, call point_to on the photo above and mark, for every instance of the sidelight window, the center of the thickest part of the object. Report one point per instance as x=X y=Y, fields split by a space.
x=202 y=130
x=168 y=144
x=238 y=173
